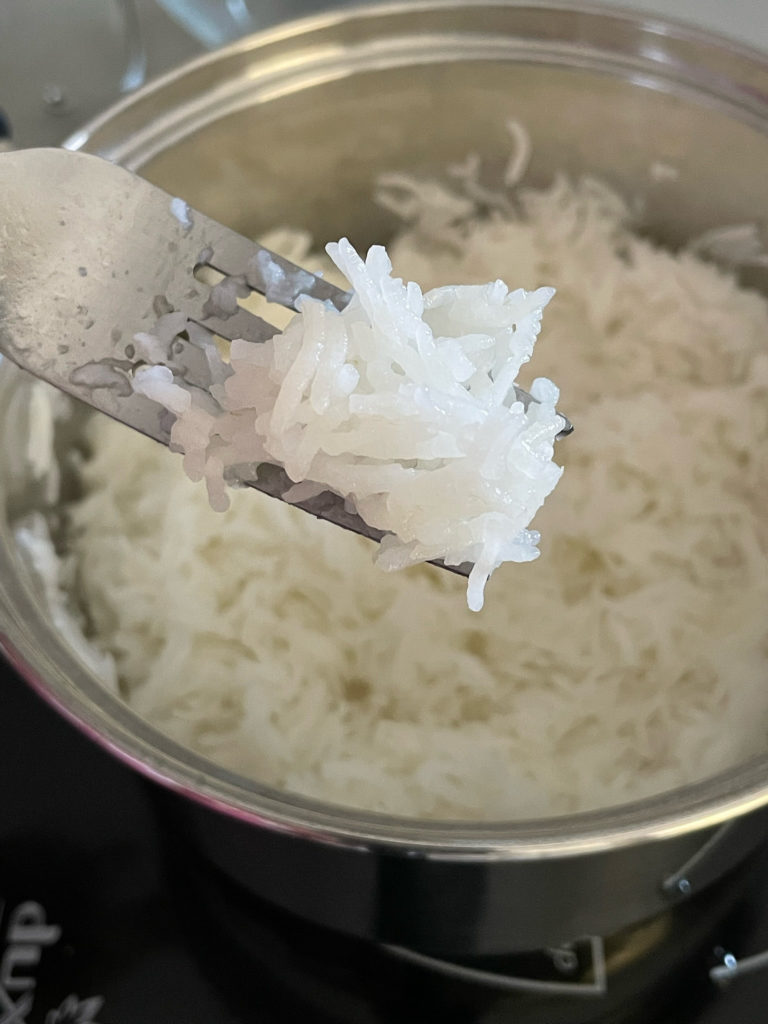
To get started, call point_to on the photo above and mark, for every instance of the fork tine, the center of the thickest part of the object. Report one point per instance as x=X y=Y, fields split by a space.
x=265 y=271
x=254 y=267
x=193 y=298
x=242 y=325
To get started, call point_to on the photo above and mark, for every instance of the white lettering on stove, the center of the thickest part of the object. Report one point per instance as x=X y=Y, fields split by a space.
x=26 y=935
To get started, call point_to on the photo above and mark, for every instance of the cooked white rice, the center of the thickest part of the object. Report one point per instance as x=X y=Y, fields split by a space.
x=403 y=404
x=629 y=659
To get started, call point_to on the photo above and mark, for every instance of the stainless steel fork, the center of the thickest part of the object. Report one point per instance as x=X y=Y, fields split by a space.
x=92 y=255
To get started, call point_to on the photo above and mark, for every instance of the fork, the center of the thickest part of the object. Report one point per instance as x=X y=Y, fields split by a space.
x=92 y=255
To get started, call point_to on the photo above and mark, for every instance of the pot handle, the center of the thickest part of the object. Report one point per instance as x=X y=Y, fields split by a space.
x=721 y=851
x=565 y=960
x=730 y=969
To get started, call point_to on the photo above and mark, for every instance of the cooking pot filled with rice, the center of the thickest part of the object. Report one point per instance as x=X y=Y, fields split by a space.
x=359 y=747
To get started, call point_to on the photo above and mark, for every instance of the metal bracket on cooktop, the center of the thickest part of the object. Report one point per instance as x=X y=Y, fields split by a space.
x=730 y=969
x=564 y=960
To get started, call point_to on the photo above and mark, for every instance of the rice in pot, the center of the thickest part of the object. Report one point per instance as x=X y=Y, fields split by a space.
x=627 y=660
x=403 y=404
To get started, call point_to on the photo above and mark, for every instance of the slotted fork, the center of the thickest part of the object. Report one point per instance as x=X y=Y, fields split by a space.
x=92 y=255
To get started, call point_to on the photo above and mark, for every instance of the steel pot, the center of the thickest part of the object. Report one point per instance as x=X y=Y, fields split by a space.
x=292 y=127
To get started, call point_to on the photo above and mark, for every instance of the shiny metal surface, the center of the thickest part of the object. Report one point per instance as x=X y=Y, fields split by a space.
x=45 y=90
x=63 y=62
x=732 y=968
x=593 y=988
x=94 y=255
x=416 y=87
x=217 y=22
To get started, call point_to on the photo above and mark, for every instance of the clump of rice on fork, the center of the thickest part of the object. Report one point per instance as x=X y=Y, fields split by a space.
x=403 y=403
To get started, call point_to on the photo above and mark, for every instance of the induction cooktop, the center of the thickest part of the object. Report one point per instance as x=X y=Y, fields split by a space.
x=109 y=917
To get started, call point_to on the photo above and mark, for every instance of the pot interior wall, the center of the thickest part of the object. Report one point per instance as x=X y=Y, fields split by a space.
x=310 y=157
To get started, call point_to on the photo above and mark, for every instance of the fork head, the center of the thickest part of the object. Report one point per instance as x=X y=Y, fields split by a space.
x=93 y=255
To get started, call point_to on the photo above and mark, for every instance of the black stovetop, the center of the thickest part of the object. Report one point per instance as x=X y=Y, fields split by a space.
x=103 y=919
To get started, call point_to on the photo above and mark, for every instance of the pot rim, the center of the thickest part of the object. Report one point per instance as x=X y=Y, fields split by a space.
x=673 y=29
x=676 y=812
